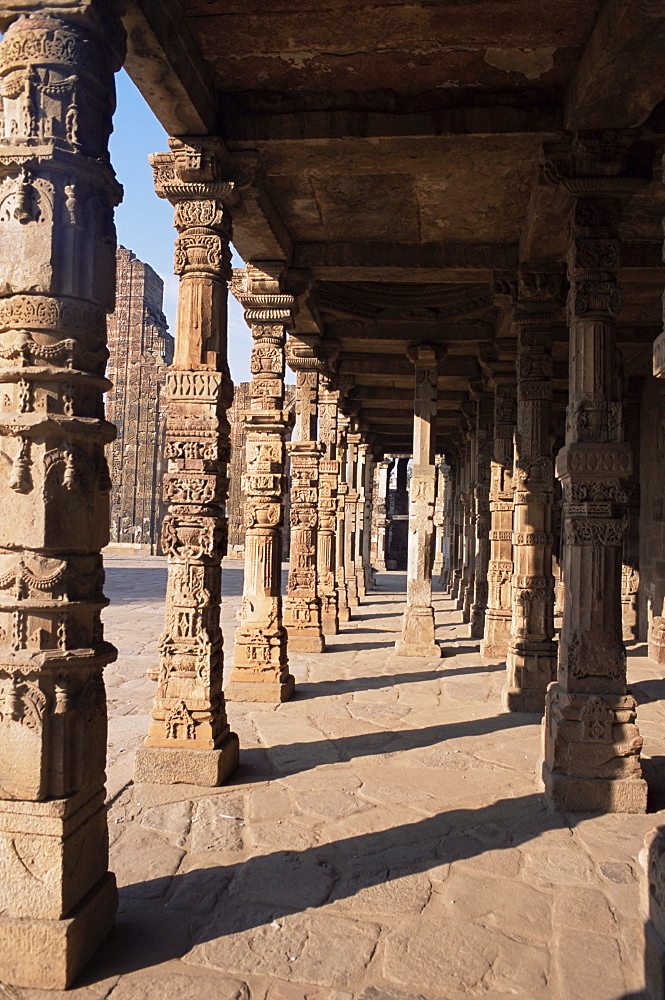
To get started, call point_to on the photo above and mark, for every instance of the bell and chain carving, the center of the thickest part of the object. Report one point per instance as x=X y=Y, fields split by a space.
x=260 y=666
x=189 y=737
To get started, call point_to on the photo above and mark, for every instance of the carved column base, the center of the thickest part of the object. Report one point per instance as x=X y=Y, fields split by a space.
x=455 y=585
x=330 y=619
x=182 y=765
x=496 y=644
x=531 y=667
x=360 y=582
x=63 y=910
x=344 y=615
x=259 y=689
x=477 y=623
x=307 y=642
x=352 y=597
x=657 y=640
x=591 y=749
x=417 y=637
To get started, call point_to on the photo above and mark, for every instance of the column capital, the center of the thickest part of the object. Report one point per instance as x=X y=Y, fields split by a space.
x=305 y=353
x=424 y=354
x=260 y=291
x=98 y=17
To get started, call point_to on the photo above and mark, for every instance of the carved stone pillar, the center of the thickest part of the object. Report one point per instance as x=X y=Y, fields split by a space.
x=353 y=439
x=447 y=525
x=328 y=499
x=189 y=738
x=437 y=564
x=260 y=664
x=370 y=465
x=591 y=744
x=57 y=273
x=652 y=911
x=469 y=530
x=484 y=453
x=362 y=518
x=302 y=606
x=531 y=661
x=499 y=604
x=343 y=609
x=417 y=637
x=379 y=512
x=630 y=572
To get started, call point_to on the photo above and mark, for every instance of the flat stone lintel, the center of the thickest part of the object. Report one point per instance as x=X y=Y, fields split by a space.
x=571 y=794
x=207 y=768
x=427 y=649
x=273 y=692
x=49 y=954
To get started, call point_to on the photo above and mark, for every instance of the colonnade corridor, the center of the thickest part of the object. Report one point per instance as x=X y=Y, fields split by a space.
x=383 y=837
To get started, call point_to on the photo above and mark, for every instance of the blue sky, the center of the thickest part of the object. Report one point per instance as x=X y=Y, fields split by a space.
x=145 y=222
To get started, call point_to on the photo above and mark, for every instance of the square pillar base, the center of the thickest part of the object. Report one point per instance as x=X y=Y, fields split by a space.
x=180 y=765
x=427 y=649
x=573 y=794
x=330 y=626
x=273 y=692
x=531 y=669
x=344 y=615
x=312 y=643
x=49 y=954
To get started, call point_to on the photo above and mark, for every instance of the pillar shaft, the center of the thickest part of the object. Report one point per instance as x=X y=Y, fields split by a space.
x=302 y=605
x=499 y=604
x=417 y=638
x=328 y=489
x=343 y=610
x=379 y=515
x=531 y=661
x=260 y=664
x=591 y=744
x=481 y=505
x=57 y=272
x=189 y=737
x=465 y=600
x=353 y=439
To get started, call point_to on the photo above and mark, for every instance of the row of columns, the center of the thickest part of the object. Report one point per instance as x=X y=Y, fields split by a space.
x=57 y=253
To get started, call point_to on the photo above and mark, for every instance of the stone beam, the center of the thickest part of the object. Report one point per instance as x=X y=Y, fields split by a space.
x=392 y=261
x=166 y=65
x=248 y=119
x=621 y=75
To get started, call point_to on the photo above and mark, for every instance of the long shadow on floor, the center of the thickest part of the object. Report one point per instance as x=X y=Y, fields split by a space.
x=162 y=918
x=652 y=689
x=320 y=689
x=293 y=758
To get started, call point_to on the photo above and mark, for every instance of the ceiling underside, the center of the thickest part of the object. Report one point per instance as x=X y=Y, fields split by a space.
x=395 y=157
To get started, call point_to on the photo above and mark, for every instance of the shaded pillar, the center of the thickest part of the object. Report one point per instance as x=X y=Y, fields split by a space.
x=417 y=638
x=437 y=564
x=379 y=514
x=302 y=606
x=591 y=744
x=498 y=616
x=326 y=554
x=353 y=439
x=469 y=529
x=484 y=453
x=189 y=739
x=343 y=609
x=57 y=269
x=260 y=664
x=531 y=661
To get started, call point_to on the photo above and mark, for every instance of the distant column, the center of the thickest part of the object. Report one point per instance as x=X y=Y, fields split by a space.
x=417 y=638
x=483 y=517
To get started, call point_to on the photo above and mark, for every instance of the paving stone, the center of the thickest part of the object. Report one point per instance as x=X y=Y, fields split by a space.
x=143 y=863
x=329 y=803
x=583 y=909
x=390 y=894
x=588 y=966
x=179 y=986
x=217 y=824
x=175 y=817
x=281 y=990
x=289 y=880
x=515 y=909
x=560 y=865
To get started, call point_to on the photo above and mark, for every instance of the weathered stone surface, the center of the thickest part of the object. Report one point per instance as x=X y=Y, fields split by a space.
x=144 y=862
x=176 y=818
x=217 y=824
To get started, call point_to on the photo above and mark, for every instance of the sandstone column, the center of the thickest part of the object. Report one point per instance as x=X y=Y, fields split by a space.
x=57 y=271
x=591 y=744
x=189 y=738
x=302 y=605
x=379 y=514
x=499 y=605
x=353 y=439
x=469 y=529
x=365 y=468
x=481 y=494
x=343 y=609
x=531 y=661
x=260 y=665
x=417 y=637
x=437 y=564
x=328 y=500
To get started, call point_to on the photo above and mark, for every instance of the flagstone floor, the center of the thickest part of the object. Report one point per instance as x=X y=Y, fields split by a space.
x=383 y=838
